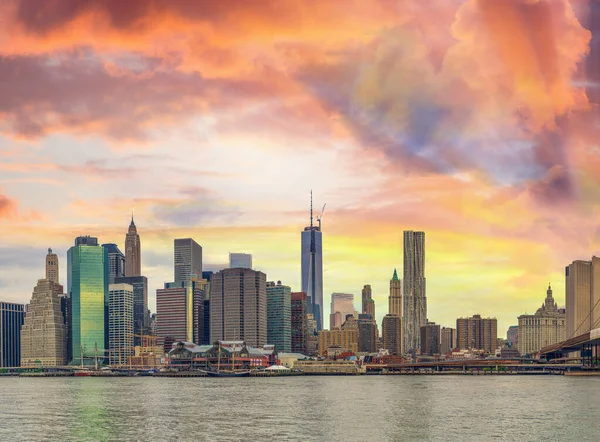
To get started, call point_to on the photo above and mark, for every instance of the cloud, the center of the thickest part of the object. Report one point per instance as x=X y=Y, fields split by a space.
x=8 y=207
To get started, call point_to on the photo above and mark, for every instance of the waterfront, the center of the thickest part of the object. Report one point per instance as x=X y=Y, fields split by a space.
x=301 y=408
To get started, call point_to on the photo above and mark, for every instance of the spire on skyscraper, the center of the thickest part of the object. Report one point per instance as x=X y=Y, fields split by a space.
x=395 y=277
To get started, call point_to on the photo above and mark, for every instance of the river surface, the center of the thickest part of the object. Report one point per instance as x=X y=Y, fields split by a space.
x=367 y=408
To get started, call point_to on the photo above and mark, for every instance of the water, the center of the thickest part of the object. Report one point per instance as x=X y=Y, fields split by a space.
x=372 y=408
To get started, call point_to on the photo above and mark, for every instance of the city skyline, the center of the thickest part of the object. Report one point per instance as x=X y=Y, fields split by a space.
x=478 y=146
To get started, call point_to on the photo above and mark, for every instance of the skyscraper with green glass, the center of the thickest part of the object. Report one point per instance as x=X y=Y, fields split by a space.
x=279 y=316
x=88 y=290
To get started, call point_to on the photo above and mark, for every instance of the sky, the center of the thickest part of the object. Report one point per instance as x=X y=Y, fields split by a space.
x=475 y=121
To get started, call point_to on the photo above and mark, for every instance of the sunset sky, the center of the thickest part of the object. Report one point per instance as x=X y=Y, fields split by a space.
x=475 y=121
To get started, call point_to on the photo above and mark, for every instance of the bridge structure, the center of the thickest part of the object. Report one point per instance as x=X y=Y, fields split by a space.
x=585 y=348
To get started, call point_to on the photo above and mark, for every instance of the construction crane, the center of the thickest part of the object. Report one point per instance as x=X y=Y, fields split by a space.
x=320 y=217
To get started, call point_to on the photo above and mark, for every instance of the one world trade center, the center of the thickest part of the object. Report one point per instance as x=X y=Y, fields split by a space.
x=312 y=268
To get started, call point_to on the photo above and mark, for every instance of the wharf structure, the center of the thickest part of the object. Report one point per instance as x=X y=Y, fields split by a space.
x=222 y=354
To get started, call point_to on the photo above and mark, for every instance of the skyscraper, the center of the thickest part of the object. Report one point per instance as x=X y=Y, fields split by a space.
x=133 y=256
x=395 y=299
x=12 y=317
x=180 y=312
x=582 y=279
x=238 y=306
x=368 y=305
x=430 y=339
x=240 y=261
x=52 y=267
x=43 y=335
x=141 y=314
x=342 y=303
x=312 y=268
x=116 y=262
x=188 y=260
x=120 y=323
x=414 y=296
x=279 y=316
x=299 y=322
x=477 y=333
x=367 y=336
x=447 y=340
x=392 y=333
x=87 y=264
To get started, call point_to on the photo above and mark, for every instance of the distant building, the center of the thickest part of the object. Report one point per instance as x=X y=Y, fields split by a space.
x=312 y=338
x=395 y=299
x=447 y=340
x=368 y=305
x=414 y=307
x=279 y=316
x=52 y=273
x=133 y=255
x=120 y=323
x=299 y=322
x=512 y=336
x=546 y=327
x=392 y=334
x=240 y=261
x=342 y=303
x=12 y=317
x=43 y=335
x=477 y=333
x=430 y=339
x=188 y=260
x=312 y=268
x=582 y=280
x=238 y=306
x=345 y=339
x=141 y=314
x=116 y=262
x=180 y=312
x=367 y=336
x=87 y=264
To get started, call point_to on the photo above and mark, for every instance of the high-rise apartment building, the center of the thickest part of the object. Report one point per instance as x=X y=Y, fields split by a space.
x=392 y=333
x=52 y=267
x=116 y=262
x=12 y=317
x=447 y=340
x=312 y=268
x=279 y=316
x=43 y=335
x=188 y=260
x=546 y=327
x=238 y=306
x=141 y=314
x=180 y=312
x=414 y=287
x=133 y=256
x=430 y=339
x=342 y=303
x=120 y=323
x=240 y=261
x=368 y=305
x=87 y=264
x=582 y=280
x=299 y=322
x=477 y=333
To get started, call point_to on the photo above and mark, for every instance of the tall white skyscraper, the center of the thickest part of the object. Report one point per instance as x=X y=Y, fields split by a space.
x=414 y=315
x=188 y=260
x=312 y=268
x=240 y=261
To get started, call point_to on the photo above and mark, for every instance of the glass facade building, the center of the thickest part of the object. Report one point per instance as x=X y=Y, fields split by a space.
x=88 y=290
x=12 y=317
x=188 y=260
x=141 y=314
x=120 y=323
x=116 y=262
x=279 y=316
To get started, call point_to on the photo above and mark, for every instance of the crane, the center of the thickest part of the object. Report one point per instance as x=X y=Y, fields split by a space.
x=320 y=217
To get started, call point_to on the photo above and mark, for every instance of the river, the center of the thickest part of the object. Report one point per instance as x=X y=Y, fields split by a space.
x=371 y=408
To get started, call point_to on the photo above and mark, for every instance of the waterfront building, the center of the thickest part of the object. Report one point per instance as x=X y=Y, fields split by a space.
x=188 y=260
x=342 y=303
x=512 y=336
x=52 y=267
x=141 y=314
x=12 y=317
x=447 y=340
x=392 y=333
x=312 y=268
x=477 y=333
x=299 y=323
x=87 y=264
x=116 y=262
x=346 y=339
x=430 y=339
x=238 y=306
x=43 y=334
x=230 y=354
x=180 y=312
x=120 y=323
x=414 y=311
x=312 y=338
x=367 y=335
x=582 y=280
x=240 y=261
x=546 y=327
x=133 y=255
x=279 y=316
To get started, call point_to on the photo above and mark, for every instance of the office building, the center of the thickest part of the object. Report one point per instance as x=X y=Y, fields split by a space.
x=116 y=262
x=447 y=340
x=368 y=305
x=180 y=312
x=546 y=327
x=238 y=306
x=344 y=340
x=133 y=255
x=395 y=303
x=477 y=333
x=430 y=339
x=43 y=335
x=279 y=316
x=188 y=260
x=312 y=268
x=512 y=335
x=582 y=280
x=141 y=314
x=87 y=264
x=206 y=278
x=12 y=317
x=367 y=335
x=342 y=304
x=414 y=290
x=392 y=333
x=120 y=323
x=52 y=267
x=312 y=337
x=240 y=261
x=299 y=322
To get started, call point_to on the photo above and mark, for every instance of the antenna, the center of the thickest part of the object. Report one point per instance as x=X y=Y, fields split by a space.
x=311 y=209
